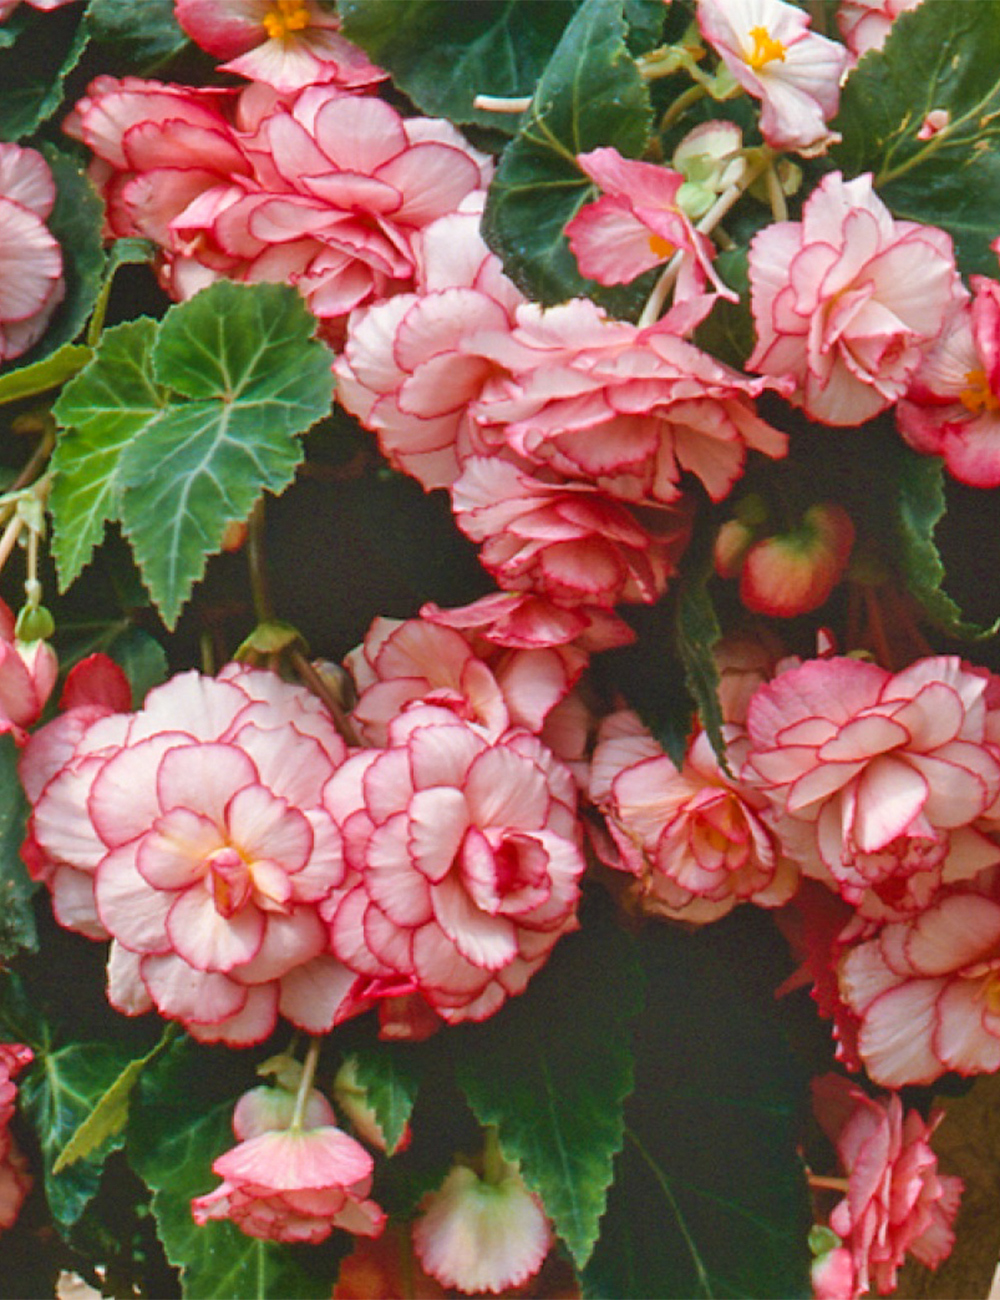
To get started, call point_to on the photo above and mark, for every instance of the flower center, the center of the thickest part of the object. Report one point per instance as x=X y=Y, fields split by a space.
x=990 y=992
x=229 y=881
x=978 y=396
x=661 y=247
x=765 y=49
x=284 y=17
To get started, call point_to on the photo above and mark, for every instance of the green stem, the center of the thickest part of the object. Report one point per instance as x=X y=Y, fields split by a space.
x=305 y=1083
x=263 y=607
x=495 y=1167
x=682 y=102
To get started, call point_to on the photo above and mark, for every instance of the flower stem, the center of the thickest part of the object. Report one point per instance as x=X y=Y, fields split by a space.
x=263 y=607
x=495 y=1167
x=826 y=1183
x=316 y=684
x=682 y=102
x=306 y=1082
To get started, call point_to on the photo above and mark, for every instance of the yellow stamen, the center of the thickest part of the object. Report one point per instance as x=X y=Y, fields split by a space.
x=286 y=16
x=990 y=992
x=765 y=49
x=661 y=247
x=978 y=396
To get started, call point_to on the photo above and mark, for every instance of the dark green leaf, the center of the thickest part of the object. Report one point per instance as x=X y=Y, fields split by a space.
x=696 y=634
x=442 y=55
x=41 y=376
x=103 y=410
x=17 y=920
x=553 y=1069
x=34 y=68
x=146 y=34
x=141 y=658
x=590 y=94
x=709 y=1198
x=59 y=1093
x=941 y=56
x=390 y=1077
x=728 y=331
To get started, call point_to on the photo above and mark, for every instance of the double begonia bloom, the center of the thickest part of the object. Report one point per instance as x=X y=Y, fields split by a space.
x=564 y=540
x=848 y=300
x=525 y=622
x=874 y=777
x=286 y=44
x=465 y=862
x=15 y=1180
x=694 y=840
x=795 y=73
x=31 y=263
x=409 y=370
x=896 y=1202
x=291 y=1183
x=865 y=24
x=193 y=834
x=480 y=1235
x=626 y=409
x=952 y=408
x=637 y=224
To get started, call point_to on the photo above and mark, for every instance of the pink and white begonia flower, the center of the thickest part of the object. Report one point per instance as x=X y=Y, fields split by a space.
x=15 y=1180
x=848 y=300
x=876 y=778
x=291 y=1182
x=28 y=671
x=636 y=224
x=693 y=839
x=465 y=862
x=926 y=991
x=865 y=24
x=952 y=408
x=527 y=622
x=897 y=1202
x=626 y=409
x=409 y=370
x=567 y=540
x=794 y=72
x=286 y=44
x=7 y=7
x=31 y=262
x=478 y=1235
x=193 y=833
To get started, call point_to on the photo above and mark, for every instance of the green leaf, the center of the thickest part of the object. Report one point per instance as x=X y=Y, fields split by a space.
x=709 y=1198
x=146 y=35
x=442 y=55
x=109 y=1115
x=553 y=1068
x=590 y=94
x=17 y=919
x=41 y=376
x=391 y=1079
x=61 y=1090
x=172 y=1149
x=245 y=357
x=141 y=658
x=104 y=408
x=34 y=69
x=696 y=634
x=940 y=56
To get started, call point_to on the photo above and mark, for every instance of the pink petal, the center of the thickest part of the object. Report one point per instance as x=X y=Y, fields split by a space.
x=208 y=941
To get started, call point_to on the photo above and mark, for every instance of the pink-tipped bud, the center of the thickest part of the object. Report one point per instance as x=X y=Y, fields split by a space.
x=793 y=573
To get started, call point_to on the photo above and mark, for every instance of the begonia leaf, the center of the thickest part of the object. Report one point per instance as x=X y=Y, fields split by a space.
x=552 y=1070
x=941 y=56
x=102 y=410
x=17 y=919
x=147 y=35
x=34 y=69
x=590 y=94
x=709 y=1198
x=60 y=1091
x=391 y=1080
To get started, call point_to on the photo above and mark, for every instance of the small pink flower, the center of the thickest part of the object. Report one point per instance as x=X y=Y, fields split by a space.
x=832 y=1275
x=567 y=540
x=480 y=1235
x=288 y=1182
x=28 y=671
x=15 y=1180
x=623 y=408
x=848 y=300
x=286 y=44
x=31 y=264
x=465 y=858
x=865 y=24
x=897 y=1202
x=769 y=49
x=692 y=838
x=952 y=408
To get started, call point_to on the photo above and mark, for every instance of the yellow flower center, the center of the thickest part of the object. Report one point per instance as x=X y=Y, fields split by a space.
x=285 y=17
x=990 y=992
x=765 y=49
x=978 y=396
x=661 y=247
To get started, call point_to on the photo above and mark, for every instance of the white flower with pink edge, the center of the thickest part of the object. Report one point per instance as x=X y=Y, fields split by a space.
x=31 y=263
x=848 y=300
x=15 y=1179
x=193 y=833
x=466 y=862
x=865 y=24
x=795 y=73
